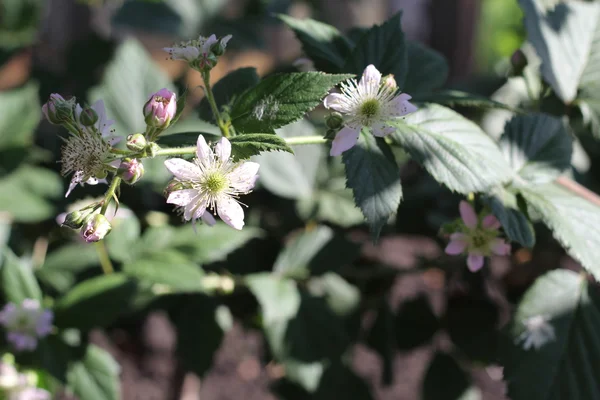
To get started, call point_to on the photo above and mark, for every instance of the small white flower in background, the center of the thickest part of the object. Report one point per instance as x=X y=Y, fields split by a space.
x=212 y=181
x=538 y=332
x=199 y=53
x=368 y=103
x=25 y=323
x=16 y=386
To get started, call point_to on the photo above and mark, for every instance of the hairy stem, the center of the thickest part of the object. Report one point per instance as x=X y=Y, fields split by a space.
x=105 y=263
x=213 y=104
x=114 y=185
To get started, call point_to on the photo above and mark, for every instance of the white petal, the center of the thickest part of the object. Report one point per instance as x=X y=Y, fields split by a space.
x=194 y=209
x=244 y=176
x=203 y=152
x=223 y=149
x=381 y=130
x=208 y=218
x=182 y=197
x=231 y=212
x=402 y=107
x=369 y=83
x=77 y=178
x=344 y=140
x=404 y=97
x=337 y=102
x=182 y=169
x=78 y=111
x=212 y=39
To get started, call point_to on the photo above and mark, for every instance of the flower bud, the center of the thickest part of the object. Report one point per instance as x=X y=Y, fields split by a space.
x=136 y=142
x=389 y=82
x=334 y=120
x=131 y=170
x=75 y=219
x=88 y=116
x=173 y=186
x=57 y=110
x=219 y=48
x=95 y=229
x=160 y=109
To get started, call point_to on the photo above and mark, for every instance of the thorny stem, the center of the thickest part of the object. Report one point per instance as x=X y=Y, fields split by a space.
x=114 y=185
x=213 y=104
x=105 y=263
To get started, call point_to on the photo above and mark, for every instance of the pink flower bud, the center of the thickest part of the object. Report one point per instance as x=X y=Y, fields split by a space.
x=58 y=110
x=389 y=82
x=131 y=170
x=95 y=229
x=160 y=109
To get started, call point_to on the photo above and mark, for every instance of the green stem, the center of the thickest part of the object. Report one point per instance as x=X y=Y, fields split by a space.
x=122 y=152
x=105 y=263
x=213 y=104
x=176 y=151
x=110 y=193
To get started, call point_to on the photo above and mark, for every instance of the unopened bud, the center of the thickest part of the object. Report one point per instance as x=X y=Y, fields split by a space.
x=518 y=61
x=389 y=82
x=160 y=109
x=334 y=120
x=136 y=142
x=152 y=148
x=75 y=219
x=88 y=116
x=131 y=170
x=57 y=110
x=330 y=134
x=219 y=48
x=173 y=186
x=95 y=229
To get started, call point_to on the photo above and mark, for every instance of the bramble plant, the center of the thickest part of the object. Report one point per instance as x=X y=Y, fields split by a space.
x=333 y=140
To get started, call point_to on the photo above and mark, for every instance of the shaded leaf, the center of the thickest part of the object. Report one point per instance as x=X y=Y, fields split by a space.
x=96 y=376
x=516 y=226
x=427 y=69
x=252 y=144
x=18 y=279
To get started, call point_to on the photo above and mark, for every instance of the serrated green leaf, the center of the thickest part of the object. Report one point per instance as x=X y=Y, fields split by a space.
x=124 y=234
x=96 y=376
x=565 y=364
x=427 y=69
x=21 y=112
x=374 y=177
x=18 y=279
x=252 y=144
x=385 y=47
x=227 y=89
x=185 y=139
x=574 y=221
x=322 y=43
x=280 y=100
x=454 y=150
x=516 y=226
x=537 y=147
x=562 y=36
x=95 y=302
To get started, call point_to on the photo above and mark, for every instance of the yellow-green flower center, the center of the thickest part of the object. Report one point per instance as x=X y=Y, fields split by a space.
x=215 y=182
x=370 y=108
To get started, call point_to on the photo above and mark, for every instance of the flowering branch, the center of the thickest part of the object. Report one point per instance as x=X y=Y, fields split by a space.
x=213 y=104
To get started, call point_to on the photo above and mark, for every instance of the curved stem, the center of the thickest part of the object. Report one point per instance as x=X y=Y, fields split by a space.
x=213 y=104
x=114 y=185
x=105 y=263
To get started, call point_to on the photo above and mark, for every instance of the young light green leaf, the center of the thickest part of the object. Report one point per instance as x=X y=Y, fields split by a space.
x=454 y=150
x=18 y=279
x=322 y=43
x=504 y=206
x=252 y=144
x=574 y=221
x=537 y=147
x=427 y=69
x=385 y=47
x=374 y=177
x=125 y=232
x=562 y=36
x=96 y=376
x=280 y=100
x=561 y=313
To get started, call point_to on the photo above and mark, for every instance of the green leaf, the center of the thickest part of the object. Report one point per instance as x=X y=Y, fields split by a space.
x=95 y=302
x=280 y=100
x=18 y=279
x=341 y=297
x=374 y=177
x=21 y=112
x=574 y=221
x=427 y=69
x=454 y=150
x=562 y=37
x=457 y=98
x=446 y=380
x=96 y=376
x=564 y=366
x=537 y=147
x=124 y=234
x=385 y=47
x=504 y=206
x=167 y=268
x=129 y=80
x=252 y=144
x=63 y=264
x=227 y=89
x=294 y=259
x=322 y=43
x=185 y=139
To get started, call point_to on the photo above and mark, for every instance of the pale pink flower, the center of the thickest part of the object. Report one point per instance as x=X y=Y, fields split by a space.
x=25 y=323
x=369 y=103
x=198 y=52
x=160 y=109
x=477 y=238
x=212 y=181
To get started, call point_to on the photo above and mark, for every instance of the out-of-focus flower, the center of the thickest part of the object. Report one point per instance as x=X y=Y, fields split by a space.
x=9 y=377
x=369 y=103
x=537 y=333
x=25 y=323
x=96 y=228
x=212 y=181
x=131 y=170
x=478 y=237
x=57 y=110
x=86 y=205
x=200 y=53
x=160 y=109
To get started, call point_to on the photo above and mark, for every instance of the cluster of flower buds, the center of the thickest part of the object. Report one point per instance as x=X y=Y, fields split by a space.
x=57 y=110
x=92 y=225
x=25 y=323
x=201 y=54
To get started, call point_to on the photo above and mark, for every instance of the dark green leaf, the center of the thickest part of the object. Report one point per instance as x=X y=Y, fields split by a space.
x=456 y=98
x=516 y=226
x=61 y=265
x=427 y=70
x=185 y=139
x=18 y=279
x=373 y=176
x=252 y=144
x=280 y=100
x=415 y=323
x=96 y=376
